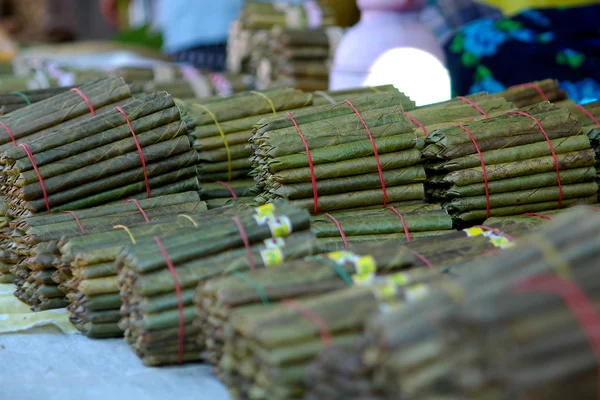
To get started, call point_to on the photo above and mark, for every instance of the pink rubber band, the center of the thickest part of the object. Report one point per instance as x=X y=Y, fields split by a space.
x=339 y=226
x=311 y=166
x=556 y=164
x=37 y=172
x=86 y=99
x=178 y=291
x=416 y=122
x=375 y=152
x=139 y=149
x=76 y=220
x=7 y=129
x=244 y=236
x=139 y=207
x=228 y=187
x=476 y=106
x=406 y=232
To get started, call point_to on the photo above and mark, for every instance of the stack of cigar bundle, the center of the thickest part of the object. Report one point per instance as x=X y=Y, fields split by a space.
x=139 y=150
x=158 y=276
x=249 y=35
x=94 y=291
x=527 y=94
x=519 y=325
x=223 y=125
x=12 y=101
x=32 y=245
x=63 y=110
x=297 y=58
x=534 y=159
x=355 y=153
x=402 y=224
x=231 y=310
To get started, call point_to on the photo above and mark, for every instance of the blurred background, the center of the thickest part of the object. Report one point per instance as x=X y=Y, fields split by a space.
x=429 y=49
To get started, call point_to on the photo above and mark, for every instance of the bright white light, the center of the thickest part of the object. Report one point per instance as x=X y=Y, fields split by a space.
x=415 y=72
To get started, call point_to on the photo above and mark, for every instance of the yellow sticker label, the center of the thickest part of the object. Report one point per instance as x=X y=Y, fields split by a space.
x=362 y=264
x=271 y=257
x=265 y=209
x=471 y=232
x=386 y=292
x=274 y=243
x=399 y=279
x=363 y=279
x=264 y=213
x=280 y=226
x=365 y=265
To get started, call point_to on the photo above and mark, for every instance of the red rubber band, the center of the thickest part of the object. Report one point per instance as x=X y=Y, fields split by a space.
x=588 y=114
x=315 y=318
x=139 y=207
x=229 y=188
x=244 y=237
x=419 y=256
x=375 y=152
x=556 y=165
x=576 y=300
x=416 y=122
x=139 y=149
x=549 y=218
x=496 y=231
x=406 y=231
x=86 y=99
x=532 y=86
x=475 y=105
x=488 y=205
x=7 y=129
x=311 y=166
x=339 y=226
x=76 y=220
x=37 y=172
x=181 y=329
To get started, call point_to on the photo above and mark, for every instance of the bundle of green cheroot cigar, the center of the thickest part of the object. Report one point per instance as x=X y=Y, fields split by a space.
x=12 y=101
x=519 y=325
x=32 y=244
x=196 y=85
x=138 y=150
x=529 y=160
x=61 y=111
x=296 y=58
x=158 y=275
x=530 y=93
x=93 y=291
x=231 y=310
x=248 y=41
x=356 y=153
x=401 y=224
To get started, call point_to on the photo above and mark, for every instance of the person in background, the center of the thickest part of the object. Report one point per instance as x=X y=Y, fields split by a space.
x=194 y=31
x=561 y=41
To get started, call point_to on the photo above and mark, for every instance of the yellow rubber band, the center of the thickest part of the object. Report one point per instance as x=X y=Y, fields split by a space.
x=222 y=137
x=264 y=96
x=126 y=229
x=325 y=96
x=190 y=218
